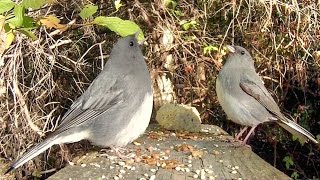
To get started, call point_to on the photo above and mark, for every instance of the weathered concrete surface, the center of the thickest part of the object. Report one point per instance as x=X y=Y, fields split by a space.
x=166 y=155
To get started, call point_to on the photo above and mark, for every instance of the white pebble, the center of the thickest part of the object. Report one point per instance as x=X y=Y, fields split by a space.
x=189 y=161
x=195 y=176
x=83 y=165
x=202 y=173
x=120 y=176
x=211 y=178
x=121 y=163
x=116 y=178
x=187 y=169
x=234 y=172
x=236 y=167
x=133 y=168
x=146 y=175
x=111 y=167
x=198 y=171
x=103 y=176
x=153 y=177
x=153 y=170
x=122 y=171
x=142 y=179
x=189 y=165
x=178 y=168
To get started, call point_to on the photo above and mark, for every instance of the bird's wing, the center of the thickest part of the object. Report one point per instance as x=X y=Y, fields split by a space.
x=252 y=85
x=98 y=98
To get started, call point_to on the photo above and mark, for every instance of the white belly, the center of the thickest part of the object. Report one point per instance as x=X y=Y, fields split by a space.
x=138 y=124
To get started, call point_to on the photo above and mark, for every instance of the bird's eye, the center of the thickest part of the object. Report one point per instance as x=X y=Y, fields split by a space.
x=131 y=43
x=242 y=52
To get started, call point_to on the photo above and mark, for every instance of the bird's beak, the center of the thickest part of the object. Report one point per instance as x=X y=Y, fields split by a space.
x=231 y=48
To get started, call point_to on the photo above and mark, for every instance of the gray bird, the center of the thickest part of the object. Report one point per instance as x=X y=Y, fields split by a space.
x=113 y=111
x=244 y=98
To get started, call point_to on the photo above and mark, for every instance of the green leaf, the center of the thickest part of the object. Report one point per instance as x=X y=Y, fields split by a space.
x=209 y=49
x=34 y=4
x=295 y=175
x=117 y=4
x=28 y=33
x=28 y=22
x=170 y=4
x=88 y=10
x=6 y=5
x=289 y=162
x=188 y=25
x=18 y=12
x=119 y=26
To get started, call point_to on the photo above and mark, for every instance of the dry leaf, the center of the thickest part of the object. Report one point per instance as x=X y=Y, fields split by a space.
x=53 y=22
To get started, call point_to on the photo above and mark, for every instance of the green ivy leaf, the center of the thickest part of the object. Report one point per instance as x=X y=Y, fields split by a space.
x=119 y=26
x=88 y=11
x=288 y=161
x=18 y=12
x=28 y=33
x=6 y=5
x=295 y=175
x=188 y=25
x=34 y=4
x=208 y=49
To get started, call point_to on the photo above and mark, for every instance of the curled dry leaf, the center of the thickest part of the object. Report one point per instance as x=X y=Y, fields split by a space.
x=187 y=135
x=184 y=148
x=196 y=153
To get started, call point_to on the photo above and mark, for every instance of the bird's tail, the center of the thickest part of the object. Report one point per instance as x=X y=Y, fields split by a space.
x=33 y=152
x=302 y=134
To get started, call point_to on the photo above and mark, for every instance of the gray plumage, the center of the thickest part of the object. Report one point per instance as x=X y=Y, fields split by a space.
x=244 y=98
x=113 y=111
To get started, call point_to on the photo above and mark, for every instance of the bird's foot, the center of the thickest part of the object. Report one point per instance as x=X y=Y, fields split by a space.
x=119 y=151
x=239 y=144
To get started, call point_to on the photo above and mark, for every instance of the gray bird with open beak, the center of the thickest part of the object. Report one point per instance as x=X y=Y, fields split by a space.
x=113 y=111
x=244 y=98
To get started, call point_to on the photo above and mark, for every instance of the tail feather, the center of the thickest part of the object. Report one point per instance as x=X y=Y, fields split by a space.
x=33 y=152
x=297 y=130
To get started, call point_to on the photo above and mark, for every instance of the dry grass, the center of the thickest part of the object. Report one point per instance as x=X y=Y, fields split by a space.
x=38 y=83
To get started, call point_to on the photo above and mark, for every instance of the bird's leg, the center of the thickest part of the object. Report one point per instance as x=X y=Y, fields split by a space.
x=249 y=134
x=238 y=136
